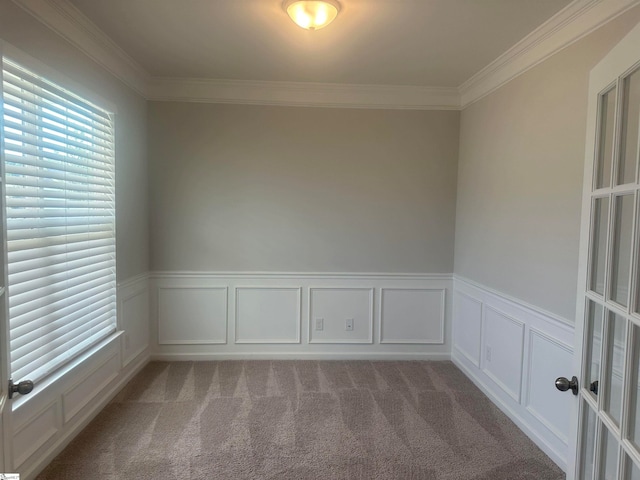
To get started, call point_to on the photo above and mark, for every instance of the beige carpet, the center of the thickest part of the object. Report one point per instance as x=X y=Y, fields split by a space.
x=301 y=420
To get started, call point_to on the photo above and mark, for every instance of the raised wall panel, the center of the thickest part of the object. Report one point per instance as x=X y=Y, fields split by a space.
x=468 y=324
x=134 y=318
x=192 y=315
x=549 y=359
x=503 y=339
x=334 y=306
x=412 y=315
x=267 y=315
x=35 y=433
x=89 y=386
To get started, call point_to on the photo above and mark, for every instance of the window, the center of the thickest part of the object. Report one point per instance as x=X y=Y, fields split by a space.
x=59 y=200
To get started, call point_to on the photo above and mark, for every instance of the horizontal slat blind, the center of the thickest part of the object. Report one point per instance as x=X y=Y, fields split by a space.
x=58 y=156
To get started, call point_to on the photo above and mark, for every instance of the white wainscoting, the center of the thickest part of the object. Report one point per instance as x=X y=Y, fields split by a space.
x=514 y=352
x=267 y=314
x=333 y=307
x=206 y=321
x=300 y=315
x=45 y=421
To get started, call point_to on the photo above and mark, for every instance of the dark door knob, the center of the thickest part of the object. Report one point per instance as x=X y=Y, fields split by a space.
x=22 y=388
x=563 y=384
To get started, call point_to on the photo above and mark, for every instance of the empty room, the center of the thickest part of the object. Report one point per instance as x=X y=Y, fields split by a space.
x=328 y=239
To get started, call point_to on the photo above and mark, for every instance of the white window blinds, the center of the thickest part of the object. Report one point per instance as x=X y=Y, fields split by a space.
x=58 y=157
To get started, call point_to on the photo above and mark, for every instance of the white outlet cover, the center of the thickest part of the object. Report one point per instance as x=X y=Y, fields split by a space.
x=319 y=324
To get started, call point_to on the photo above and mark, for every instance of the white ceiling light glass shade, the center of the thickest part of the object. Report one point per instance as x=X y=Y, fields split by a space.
x=312 y=14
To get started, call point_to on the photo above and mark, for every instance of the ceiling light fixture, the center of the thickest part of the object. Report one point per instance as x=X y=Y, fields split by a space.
x=312 y=14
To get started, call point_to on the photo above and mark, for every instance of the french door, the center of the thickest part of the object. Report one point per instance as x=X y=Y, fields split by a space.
x=606 y=440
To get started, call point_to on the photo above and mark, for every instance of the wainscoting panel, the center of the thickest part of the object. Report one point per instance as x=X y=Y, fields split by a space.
x=544 y=400
x=467 y=331
x=79 y=395
x=268 y=315
x=331 y=308
x=192 y=315
x=514 y=352
x=304 y=315
x=33 y=435
x=412 y=315
x=502 y=360
x=133 y=315
x=60 y=406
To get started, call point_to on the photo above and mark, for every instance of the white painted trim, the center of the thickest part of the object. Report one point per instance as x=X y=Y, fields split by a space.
x=545 y=315
x=515 y=417
x=45 y=437
x=572 y=23
x=299 y=275
x=299 y=356
x=67 y=436
x=367 y=341
x=68 y=22
x=408 y=341
x=298 y=337
x=517 y=395
x=68 y=416
x=133 y=280
x=54 y=390
x=304 y=281
x=199 y=341
x=303 y=94
x=578 y=19
x=534 y=332
x=535 y=322
x=474 y=361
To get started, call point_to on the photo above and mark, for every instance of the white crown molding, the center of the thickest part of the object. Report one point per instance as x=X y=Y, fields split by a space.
x=68 y=22
x=572 y=23
x=578 y=19
x=303 y=94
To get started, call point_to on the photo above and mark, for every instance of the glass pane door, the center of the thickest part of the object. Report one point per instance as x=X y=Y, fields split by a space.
x=610 y=393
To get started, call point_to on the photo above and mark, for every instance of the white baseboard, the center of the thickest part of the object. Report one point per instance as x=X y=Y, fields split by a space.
x=522 y=424
x=301 y=356
x=513 y=352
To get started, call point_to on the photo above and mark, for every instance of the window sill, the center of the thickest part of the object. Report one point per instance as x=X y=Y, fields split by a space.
x=65 y=373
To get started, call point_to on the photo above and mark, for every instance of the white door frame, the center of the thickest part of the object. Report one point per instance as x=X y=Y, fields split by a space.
x=6 y=440
x=618 y=61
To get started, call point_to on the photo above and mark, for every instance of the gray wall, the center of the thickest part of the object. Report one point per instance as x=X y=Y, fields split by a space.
x=291 y=189
x=520 y=177
x=26 y=33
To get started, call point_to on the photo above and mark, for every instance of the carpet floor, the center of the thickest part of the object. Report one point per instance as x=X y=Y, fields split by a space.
x=301 y=420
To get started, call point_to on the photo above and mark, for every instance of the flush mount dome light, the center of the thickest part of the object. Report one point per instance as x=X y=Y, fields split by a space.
x=312 y=14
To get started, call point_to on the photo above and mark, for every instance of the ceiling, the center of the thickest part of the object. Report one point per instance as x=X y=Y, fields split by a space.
x=439 y=43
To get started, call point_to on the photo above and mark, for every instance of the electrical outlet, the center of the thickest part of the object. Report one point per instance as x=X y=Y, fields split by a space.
x=348 y=324
x=319 y=324
x=488 y=353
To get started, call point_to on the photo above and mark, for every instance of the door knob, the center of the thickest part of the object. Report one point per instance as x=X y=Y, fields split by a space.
x=563 y=384
x=22 y=388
